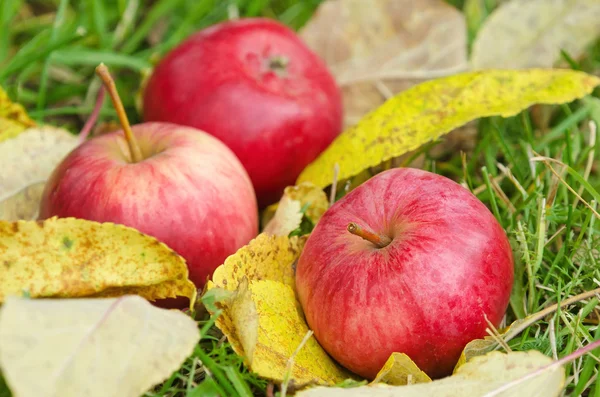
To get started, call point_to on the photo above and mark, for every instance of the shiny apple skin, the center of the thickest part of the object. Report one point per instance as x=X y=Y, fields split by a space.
x=218 y=80
x=192 y=193
x=426 y=294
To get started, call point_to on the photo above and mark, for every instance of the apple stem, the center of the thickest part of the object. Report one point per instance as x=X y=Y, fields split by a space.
x=109 y=83
x=377 y=239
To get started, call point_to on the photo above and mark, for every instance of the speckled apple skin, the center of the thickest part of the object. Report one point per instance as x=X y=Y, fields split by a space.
x=426 y=294
x=194 y=195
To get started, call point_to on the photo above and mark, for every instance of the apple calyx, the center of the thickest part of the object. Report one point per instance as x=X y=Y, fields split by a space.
x=109 y=84
x=278 y=64
x=380 y=241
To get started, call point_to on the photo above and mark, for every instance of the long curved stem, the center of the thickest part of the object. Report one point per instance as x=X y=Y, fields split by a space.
x=109 y=83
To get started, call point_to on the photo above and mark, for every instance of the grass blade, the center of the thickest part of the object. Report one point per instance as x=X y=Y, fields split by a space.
x=8 y=9
x=58 y=24
x=161 y=8
x=38 y=48
x=99 y=21
x=94 y=58
x=236 y=380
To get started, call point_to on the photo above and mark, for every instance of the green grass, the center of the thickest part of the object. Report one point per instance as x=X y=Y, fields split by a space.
x=47 y=61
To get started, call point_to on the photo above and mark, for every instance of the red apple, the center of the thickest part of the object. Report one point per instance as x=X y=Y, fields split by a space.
x=257 y=87
x=408 y=262
x=187 y=189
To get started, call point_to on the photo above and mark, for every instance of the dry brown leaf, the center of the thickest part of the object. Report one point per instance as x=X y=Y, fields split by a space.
x=284 y=217
x=400 y=370
x=531 y=33
x=25 y=204
x=67 y=257
x=31 y=157
x=377 y=48
x=478 y=377
x=13 y=118
x=117 y=347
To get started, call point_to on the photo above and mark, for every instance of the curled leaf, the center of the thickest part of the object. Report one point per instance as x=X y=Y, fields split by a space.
x=288 y=217
x=427 y=111
x=117 y=347
x=400 y=370
x=67 y=257
x=262 y=319
x=264 y=323
x=288 y=213
x=480 y=347
x=478 y=377
x=13 y=118
x=532 y=33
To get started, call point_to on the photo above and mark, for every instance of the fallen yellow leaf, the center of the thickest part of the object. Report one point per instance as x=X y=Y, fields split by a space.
x=400 y=370
x=25 y=204
x=378 y=48
x=116 y=347
x=287 y=214
x=13 y=117
x=264 y=258
x=287 y=217
x=531 y=33
x=480 y=347
x=475 y=348
x=477 y=378
x=266 y=322
x=263 y=320
x=67 y=257
x=30 y=157
x=427 y=111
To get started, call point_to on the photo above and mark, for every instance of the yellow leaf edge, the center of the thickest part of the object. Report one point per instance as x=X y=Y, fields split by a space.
x=11 y=127
x=397 y=369
x=322 y=176
x=188 y=287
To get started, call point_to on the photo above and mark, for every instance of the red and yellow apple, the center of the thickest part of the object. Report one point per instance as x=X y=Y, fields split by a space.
x=257 y=87
x=408 y=262
x=176 y=183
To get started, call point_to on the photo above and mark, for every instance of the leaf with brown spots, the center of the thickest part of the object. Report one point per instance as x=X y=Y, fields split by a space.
x=263 y=319
x=483 y=376
x=378 y=48
x=431 y=109
x=266 y=257
x=72 y=258
x=118 y=347
x=13 y=118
